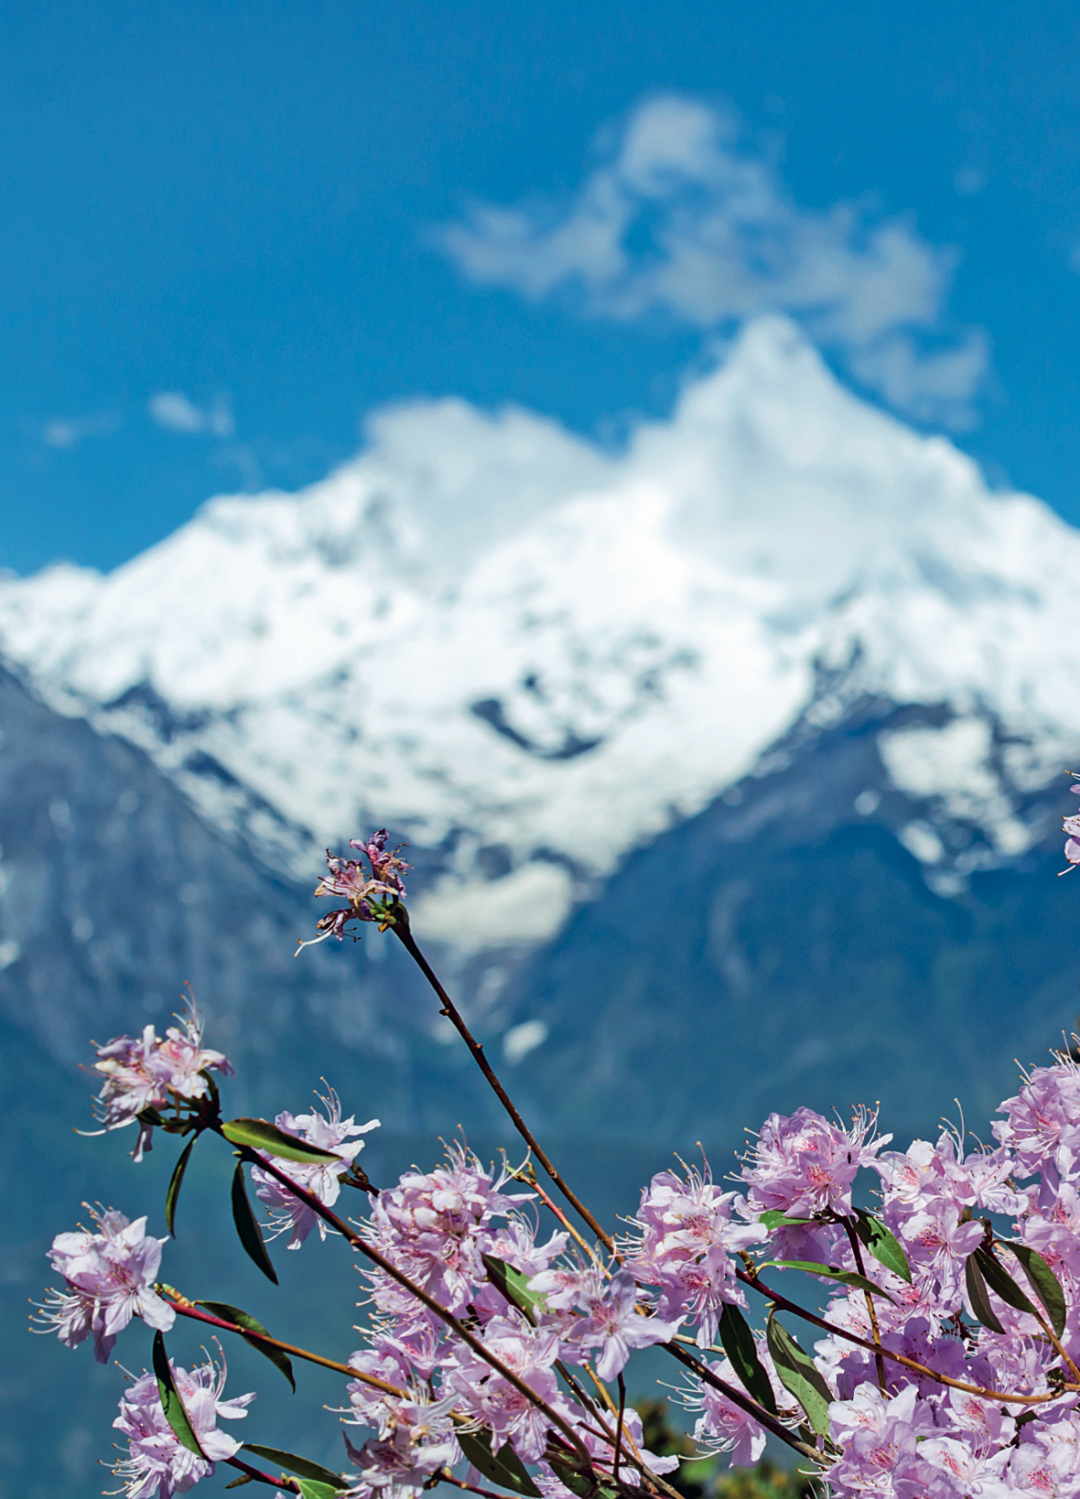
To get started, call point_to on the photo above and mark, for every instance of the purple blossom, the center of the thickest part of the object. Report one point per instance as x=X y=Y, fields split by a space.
x=149 y=1073
x=686 y=1248
x=1071 y=826
x=488 y=1396
x=323 y=1179
x=415 y=1439
x=608 y=1320
x=724 y=1426
x=370 y=891
x=156 y=1461
x=1042 y=1121
x=110 y=1279
x=436 y=1227
x=803 y=1164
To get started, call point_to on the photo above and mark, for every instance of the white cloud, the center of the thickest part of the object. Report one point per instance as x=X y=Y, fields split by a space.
x=677 y=218
x=68 y=432
x=173 y=410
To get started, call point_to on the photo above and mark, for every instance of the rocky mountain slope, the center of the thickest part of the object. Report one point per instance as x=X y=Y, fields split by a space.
x=533 y=656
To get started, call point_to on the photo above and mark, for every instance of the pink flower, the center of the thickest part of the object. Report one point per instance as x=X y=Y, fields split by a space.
x=149 y=1073
x=110 y=1278
x=1042 y=1123
x=724 y=1426
x=370 y=892
x=686 y=1248
x=157 y=1461
x=322 y=1179
x=803 y=1165
x=436 y=1227
x=484 y=1393
x=416 y=1439
x=1071 y=825
x=609 y=1318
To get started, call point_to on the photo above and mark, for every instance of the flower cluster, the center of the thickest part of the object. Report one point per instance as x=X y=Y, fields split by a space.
x=110 y=1278
x=289 y=1214
x=146 y=1074
x=687 y=1242
x=157 y=1462
x=372 y=891
x=942 y=1428
x=457 y=1233
x=944 y=1365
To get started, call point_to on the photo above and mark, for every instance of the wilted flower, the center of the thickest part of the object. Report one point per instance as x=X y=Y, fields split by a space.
x=110 y=1279
x=157 y=1461
x=370 y=892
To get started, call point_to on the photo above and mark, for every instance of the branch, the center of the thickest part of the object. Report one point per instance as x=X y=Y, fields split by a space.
x=405 y=937
x=443 y=1313
x=187 y=1308
x=896 y=1358
x=744 y=1402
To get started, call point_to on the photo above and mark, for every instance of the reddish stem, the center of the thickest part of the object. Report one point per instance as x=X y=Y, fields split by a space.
x=340 y=1226
x=405 y=937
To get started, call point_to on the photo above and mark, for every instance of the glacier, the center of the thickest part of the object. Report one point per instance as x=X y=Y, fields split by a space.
x=533 y=656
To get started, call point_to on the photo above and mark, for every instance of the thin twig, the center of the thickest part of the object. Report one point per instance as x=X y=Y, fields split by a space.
x=405 y=937
x=896 y=1358
x=530 y=1176
x=258 y=1476
x=188 y=1308
x=856 y=1249
x=445 y=1476
x=619 y=1426
x=388 y=1268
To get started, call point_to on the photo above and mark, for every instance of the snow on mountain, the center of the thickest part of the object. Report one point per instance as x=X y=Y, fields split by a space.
x=536 y=655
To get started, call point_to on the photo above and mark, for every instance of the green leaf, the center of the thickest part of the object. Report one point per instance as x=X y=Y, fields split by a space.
x=239 y=1482
x=798 y=1374
x=298 y=1465
x=882 y=1244
x=310 y=1488
x=258 y=1134
x=774 y=1218
x=738 y=1343
x=175 y=1181
x=171 y=1403
x=580 y=1481
x=513 y=1285
x=848 y=1277
x=246 y=1226
x=977 y=1295
x=1044 y=1283
x=233 y=1314
x=504 y=1467
x=1000 y=1281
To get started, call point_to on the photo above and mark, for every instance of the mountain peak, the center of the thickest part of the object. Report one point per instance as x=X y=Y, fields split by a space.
x=537 y=654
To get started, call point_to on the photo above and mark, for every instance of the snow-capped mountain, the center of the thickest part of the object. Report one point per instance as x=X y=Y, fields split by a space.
x=782 y=688
x=535 y=656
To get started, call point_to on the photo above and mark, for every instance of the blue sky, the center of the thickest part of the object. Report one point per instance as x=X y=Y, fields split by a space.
x=229 y=230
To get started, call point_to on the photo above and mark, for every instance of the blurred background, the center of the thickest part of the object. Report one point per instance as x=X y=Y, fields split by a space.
x=628 y=451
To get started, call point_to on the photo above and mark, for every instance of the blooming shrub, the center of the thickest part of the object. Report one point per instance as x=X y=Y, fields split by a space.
x=502 y=1314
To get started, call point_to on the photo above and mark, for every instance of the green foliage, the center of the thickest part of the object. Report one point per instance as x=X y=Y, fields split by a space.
x=701 y=1478
x=765 y=1481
